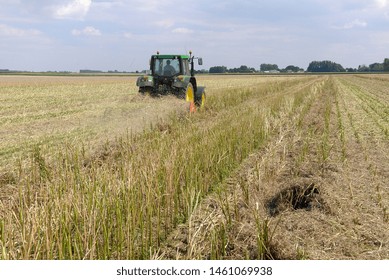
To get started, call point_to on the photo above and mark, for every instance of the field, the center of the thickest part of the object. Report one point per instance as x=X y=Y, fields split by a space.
x=274 y=167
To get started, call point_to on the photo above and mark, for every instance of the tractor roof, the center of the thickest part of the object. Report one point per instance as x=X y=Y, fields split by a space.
x=171 y=56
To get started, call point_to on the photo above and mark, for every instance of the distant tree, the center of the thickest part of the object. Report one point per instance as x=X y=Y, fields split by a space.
x=351 y=70
x=218 y=69
x=376 y=67
x=90 y=71
x=242 y=69
x=268 y=67
x=292 y=68
x=386 y=64
x=325 y=66
x=201 y=71
x=363 y=68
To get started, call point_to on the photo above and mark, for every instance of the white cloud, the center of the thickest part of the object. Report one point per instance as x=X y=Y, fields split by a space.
x=87 y=31
x=151 y=5
x=128 y=35
x=275 y=31
x=352 y=24
x=6 y=30
x=355 y=23
x=382 y=3
x=166 y=23
x=182 y=30
x=75 y=9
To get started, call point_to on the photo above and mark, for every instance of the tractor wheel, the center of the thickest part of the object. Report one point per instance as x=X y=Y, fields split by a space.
x=190 y=97
x=200 y=99
x=145 y=90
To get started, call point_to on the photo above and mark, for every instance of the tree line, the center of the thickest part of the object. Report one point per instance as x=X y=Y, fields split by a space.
x=314 y=66
x=271 y=68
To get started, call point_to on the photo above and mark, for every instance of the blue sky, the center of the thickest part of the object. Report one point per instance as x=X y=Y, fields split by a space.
x=68 y=35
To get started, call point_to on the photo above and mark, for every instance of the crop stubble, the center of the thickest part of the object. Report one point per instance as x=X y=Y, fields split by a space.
x=313 y=184
x=318 y=190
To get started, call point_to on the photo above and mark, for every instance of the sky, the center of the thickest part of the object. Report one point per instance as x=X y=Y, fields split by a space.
x=69 y=35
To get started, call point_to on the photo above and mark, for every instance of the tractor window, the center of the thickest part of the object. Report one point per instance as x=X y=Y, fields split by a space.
x=167 y=67
x=186 y=67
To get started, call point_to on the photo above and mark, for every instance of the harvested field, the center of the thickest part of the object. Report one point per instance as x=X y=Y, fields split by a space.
x=275 y=167
x=56 y=110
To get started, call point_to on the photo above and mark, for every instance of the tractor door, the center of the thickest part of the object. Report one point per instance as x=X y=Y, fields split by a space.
x=185 y=67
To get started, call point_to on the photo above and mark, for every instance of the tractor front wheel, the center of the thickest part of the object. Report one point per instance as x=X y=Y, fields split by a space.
x=190 y=97
x=145 y=90
x=200 y=98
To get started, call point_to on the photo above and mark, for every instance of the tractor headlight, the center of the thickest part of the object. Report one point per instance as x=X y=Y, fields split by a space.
x=179 y=79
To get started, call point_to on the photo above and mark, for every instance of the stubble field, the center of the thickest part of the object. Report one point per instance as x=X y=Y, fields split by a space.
x=274 y=167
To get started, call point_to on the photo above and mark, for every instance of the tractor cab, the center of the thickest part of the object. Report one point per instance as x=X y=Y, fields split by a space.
x=170 y=65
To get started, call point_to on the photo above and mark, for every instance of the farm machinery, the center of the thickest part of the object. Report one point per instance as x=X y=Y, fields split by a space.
x=173 y=74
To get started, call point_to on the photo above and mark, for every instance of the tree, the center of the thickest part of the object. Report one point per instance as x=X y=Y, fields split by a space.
x=242 y=69
x=386 y=64
x=376 y=67
x=325 y=66
x=363 y=68
x=218 y=69
x=292 y=68
x=268 y=67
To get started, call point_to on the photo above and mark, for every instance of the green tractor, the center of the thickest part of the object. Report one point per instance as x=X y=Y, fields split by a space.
x=173 y=74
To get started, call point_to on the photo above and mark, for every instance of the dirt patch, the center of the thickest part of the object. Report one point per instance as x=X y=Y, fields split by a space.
x=7 y=178
x=306 y=197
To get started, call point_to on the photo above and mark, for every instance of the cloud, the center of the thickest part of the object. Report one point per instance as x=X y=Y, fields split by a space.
x=275 y=31
x=182 y=30
x=75 y=9
x=87 y=31
x=352 y=24
x=355 y=23
x=6 y=30
x=154 y=6
x=165 y=23
x=382 y=3
x=128 y=35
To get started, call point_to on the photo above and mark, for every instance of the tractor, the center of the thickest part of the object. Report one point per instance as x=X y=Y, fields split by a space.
x=173 y=74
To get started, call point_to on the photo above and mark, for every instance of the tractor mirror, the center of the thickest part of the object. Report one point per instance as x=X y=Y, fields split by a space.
x=200 y=61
